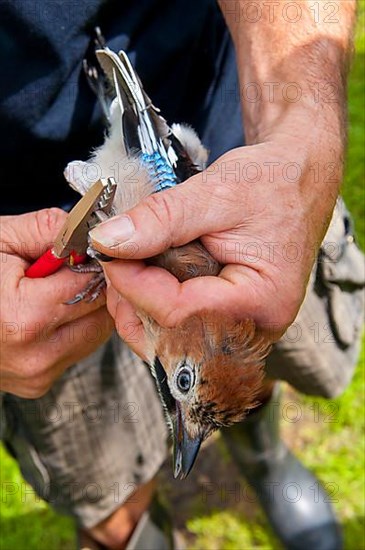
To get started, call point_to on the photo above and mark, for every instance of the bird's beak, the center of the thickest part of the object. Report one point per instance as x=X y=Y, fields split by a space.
x=185 y=448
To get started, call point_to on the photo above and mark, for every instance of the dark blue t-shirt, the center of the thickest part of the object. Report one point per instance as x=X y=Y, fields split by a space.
x=48 y=114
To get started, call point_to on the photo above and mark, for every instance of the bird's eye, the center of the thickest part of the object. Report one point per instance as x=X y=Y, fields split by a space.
x=184 y=380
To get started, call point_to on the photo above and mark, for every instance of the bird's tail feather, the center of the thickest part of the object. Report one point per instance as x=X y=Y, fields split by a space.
x=131 y=96
x=137 y=131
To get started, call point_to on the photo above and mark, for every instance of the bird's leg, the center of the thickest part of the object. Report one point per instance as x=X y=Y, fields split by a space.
x=92 y=291
x=92 y=267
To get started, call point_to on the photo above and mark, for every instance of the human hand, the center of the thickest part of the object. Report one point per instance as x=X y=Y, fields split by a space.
x=41 y=336
x=257 y=211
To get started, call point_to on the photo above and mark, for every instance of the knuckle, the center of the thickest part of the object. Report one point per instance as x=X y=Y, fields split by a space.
x=169 y=319
x=160 y=210
x=50 y=220
x=169 y=212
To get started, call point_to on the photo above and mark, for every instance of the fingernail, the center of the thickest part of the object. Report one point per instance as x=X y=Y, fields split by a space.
x=116 y=231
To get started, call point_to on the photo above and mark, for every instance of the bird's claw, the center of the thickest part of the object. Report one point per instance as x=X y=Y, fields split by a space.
x=92 y=291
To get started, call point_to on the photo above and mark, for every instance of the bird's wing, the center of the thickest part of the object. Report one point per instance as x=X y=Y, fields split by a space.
x=141 y=133
x=143 y=128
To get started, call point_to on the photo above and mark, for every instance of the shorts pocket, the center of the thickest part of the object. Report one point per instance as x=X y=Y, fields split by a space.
x=341 y=272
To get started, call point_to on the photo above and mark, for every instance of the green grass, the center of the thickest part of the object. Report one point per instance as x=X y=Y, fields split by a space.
x=227 y=530
x=26 y=521
x=353 y=188
x=334 y=450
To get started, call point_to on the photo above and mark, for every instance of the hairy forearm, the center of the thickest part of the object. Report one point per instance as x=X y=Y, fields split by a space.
x=292 y=58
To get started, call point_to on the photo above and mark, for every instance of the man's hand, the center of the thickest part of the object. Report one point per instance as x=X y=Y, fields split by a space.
x=262 y=230
x=41 y=336
x=262 y=210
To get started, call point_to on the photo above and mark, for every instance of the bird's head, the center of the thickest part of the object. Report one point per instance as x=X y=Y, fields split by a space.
x=209 y=371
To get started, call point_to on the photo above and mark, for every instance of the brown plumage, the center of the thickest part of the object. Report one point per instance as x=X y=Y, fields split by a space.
x=209 y=369
x=228 y=357
x=209 y=372
x=188 y=261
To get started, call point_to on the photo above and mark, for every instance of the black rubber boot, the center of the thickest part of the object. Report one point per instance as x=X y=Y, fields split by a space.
x=294 y=501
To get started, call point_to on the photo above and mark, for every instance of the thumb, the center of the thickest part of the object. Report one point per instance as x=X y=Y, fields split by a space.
x=29 y=235
x=166 y=219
